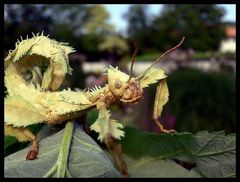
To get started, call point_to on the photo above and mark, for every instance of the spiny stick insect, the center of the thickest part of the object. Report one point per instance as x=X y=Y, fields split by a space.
x=33 y=97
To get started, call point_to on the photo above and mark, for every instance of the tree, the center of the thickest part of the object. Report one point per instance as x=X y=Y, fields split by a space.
x=96 y=20
x=85 y=26
x=23 y=19
x=96 y=25
x=201 y=24
x=139 y=25
x=73 y=16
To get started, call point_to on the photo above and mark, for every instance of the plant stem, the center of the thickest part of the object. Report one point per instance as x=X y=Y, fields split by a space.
x=64 y=150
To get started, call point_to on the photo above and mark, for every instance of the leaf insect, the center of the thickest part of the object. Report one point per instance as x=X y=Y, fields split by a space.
x=36 y=98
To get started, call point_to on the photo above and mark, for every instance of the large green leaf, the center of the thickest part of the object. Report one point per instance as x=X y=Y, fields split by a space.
x=85 y=159
x=137 y=143
x=213 y=153
x=153 y=167
x=146 y=155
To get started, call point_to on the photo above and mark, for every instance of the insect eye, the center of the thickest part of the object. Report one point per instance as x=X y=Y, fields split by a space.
x=131 y=87
x=118 y=84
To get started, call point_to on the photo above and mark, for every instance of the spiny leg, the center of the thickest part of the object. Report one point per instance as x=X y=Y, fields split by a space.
x=108 y=130
x=161 y=99
x=116 y=151
x=32 y=154
x=23 y=134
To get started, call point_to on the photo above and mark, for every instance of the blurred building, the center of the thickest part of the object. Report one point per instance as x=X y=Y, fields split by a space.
x=229 y=44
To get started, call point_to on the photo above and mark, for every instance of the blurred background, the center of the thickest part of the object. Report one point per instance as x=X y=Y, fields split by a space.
x=201 y=73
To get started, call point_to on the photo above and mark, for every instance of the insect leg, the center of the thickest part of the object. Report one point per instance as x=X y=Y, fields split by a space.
x=116 y=151
x=32 y=154
x=161 y=99
x=108 y=130
x=23 y=134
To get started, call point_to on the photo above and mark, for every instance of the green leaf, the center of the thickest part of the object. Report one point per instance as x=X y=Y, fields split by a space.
x=213 y=153
x=11 y=145
x=85 y=159
x=137 y=143
x=152 y=167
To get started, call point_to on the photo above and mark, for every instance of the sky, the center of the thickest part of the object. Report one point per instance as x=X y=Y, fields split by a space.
x=117 y=10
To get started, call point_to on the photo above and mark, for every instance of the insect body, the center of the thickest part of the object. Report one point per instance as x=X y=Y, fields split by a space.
x=33 y=97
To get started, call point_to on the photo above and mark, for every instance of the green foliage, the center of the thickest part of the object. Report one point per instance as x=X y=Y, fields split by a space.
x=23 y=19
x=201 y=101
x=96 y=20
x=139 y=26
x=149 y=56
x=90 y=43
x=149 y=167
x=146 y=155
x=114 y=43
x=201 y=24
x=214 y=154
x=73 y=16
x=85 y=158
x=137 y=17
x=85 y=26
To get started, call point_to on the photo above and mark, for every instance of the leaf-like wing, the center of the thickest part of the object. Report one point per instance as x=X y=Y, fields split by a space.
x=27 y=92
x=12 y=77
x=161 y=97
x=35 y=52
x=19 y=112
x=47 y=77
x=106 y=126
x=60 y=68
x=74 y=97
x=152 y=76
x=85 y=159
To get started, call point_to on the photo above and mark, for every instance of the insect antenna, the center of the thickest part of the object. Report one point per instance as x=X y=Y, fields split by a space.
x=133 y=58
x=158 y=59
